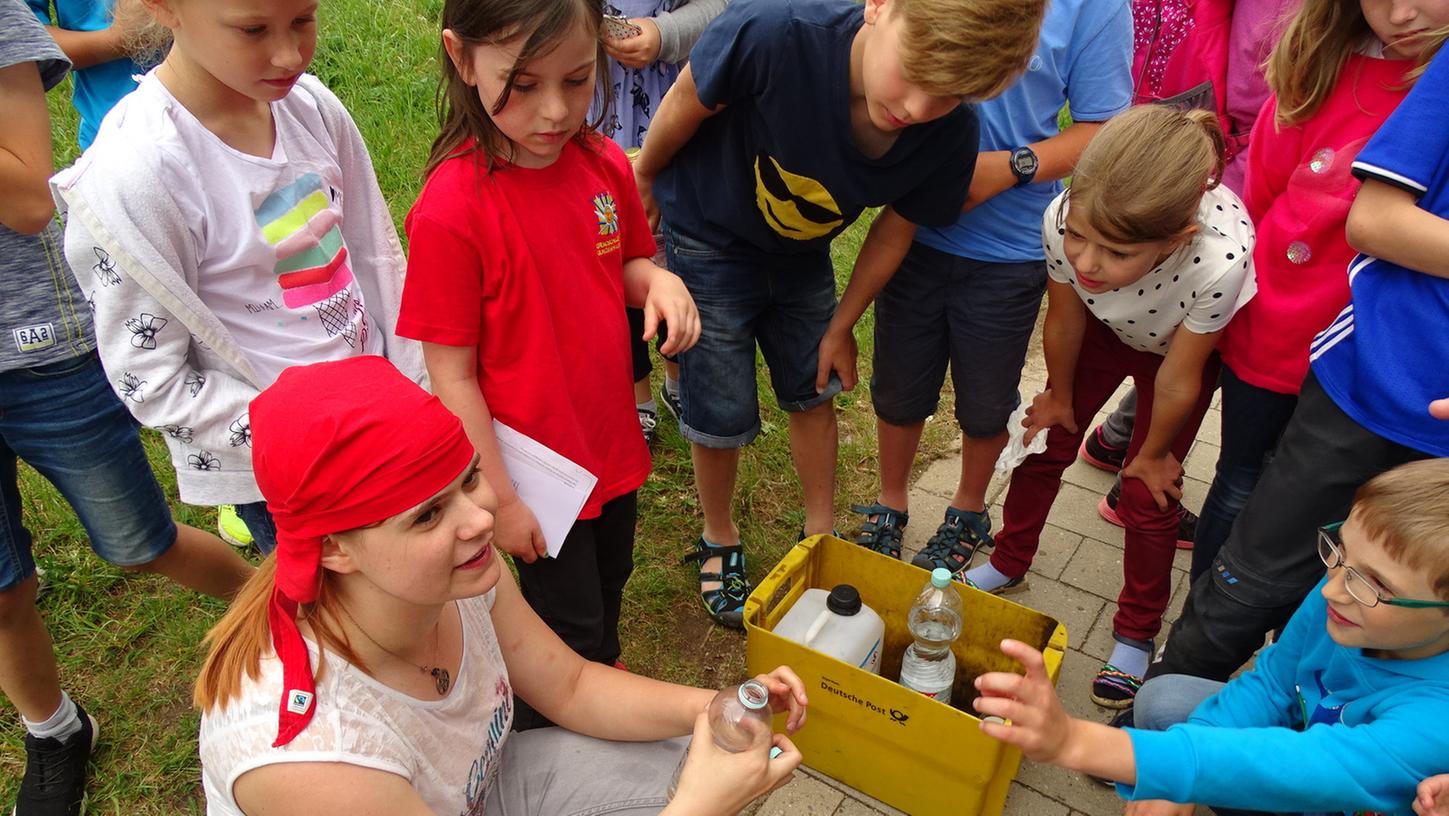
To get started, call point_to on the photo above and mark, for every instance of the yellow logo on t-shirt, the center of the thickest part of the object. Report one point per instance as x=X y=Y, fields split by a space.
x=794 y=206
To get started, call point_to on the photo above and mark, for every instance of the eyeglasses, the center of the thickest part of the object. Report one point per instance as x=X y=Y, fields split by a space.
x=1330 y=549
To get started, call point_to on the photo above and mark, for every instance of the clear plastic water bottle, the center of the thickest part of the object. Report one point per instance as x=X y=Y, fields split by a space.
x=928 y=665
x=739 y=719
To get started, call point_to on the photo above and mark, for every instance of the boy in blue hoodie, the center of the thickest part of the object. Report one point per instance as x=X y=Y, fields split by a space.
x=1345 y=713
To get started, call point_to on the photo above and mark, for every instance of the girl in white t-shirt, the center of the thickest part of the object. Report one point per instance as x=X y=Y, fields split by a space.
x=371 y=664
x=1148 y=259
x=227 y=224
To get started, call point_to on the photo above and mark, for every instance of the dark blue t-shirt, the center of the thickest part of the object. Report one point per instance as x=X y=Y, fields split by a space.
x=1386 y=355
x=777 y=171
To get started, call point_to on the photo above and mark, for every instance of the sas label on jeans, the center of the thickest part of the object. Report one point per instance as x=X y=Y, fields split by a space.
x=35 y=338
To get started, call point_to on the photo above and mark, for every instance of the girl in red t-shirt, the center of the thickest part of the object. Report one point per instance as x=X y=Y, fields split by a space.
x=526 y=243
x=1339 y=70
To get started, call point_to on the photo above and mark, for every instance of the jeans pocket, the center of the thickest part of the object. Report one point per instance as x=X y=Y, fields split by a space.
x=689 y=247
x=62 y=368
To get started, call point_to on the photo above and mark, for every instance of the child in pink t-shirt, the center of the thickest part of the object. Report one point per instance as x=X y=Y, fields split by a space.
x=1334 y=78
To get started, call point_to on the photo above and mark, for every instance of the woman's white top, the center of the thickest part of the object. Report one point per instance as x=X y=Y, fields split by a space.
x=447 y=749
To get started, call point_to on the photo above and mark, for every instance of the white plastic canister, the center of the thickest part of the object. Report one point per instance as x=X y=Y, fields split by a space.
x=836 y=623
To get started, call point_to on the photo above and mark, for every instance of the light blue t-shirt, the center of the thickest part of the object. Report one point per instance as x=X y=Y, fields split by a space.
x=1084 y=56
x=99 y=87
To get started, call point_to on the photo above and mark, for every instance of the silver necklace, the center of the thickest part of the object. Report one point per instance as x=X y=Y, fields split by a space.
x=442 y=681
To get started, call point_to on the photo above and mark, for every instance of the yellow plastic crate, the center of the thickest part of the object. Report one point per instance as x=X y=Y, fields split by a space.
x=899 y=746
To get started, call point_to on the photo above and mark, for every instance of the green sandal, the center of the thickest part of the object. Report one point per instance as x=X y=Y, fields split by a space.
x=725 y=603
x=884 y=534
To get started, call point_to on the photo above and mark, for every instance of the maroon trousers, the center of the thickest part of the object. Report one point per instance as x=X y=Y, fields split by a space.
x=1151 y=538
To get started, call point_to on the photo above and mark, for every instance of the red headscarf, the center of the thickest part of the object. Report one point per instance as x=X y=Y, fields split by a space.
x=337 y=446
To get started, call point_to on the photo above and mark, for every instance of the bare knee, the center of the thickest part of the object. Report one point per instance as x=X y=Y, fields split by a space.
x=18 y=602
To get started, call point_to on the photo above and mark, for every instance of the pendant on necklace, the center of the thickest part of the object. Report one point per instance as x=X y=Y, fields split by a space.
x=441 y=679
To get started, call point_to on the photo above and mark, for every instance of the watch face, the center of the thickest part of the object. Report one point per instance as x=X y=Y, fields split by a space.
x=1023 y=161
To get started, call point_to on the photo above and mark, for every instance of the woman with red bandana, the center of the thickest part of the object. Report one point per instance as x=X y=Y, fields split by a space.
x=371 y=665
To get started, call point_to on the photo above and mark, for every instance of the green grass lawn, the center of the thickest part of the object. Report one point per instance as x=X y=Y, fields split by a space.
x=128 y=644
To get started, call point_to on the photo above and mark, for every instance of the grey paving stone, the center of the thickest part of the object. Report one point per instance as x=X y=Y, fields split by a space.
x=1202 y=461
x=851 y=794
x=941 y=477
x=1054 y=552
x=1071 y=789
x=1096 y=568
x=1093 y=479
x=1076 y=509
x=855 y=807
x=1023 y=801
x=805 y=796
x=1069 y=605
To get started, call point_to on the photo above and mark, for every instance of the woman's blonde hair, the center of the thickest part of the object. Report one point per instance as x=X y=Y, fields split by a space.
x=969 y=48
x=1143 y=175
x=236 y=644
x=1305 y=64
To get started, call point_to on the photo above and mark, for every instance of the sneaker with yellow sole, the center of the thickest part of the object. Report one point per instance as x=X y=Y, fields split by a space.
x=231 y=528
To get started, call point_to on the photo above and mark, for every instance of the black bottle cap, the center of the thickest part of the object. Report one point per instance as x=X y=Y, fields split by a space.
x=844 y=600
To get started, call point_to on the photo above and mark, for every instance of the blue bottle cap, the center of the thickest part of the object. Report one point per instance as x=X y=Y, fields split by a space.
x=940 y=577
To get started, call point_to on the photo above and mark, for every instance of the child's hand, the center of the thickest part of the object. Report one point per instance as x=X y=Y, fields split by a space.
x=716 y=782
x=638 y=51
x=1433 y=799
x=1439 y=409
x=1162 y=476
x=1158 y=807
x=837 y=353
x=1045 y=411
x=646 y=196
x=787 y=693
x=669 y=300
x=516 y=531
x=1038 y=724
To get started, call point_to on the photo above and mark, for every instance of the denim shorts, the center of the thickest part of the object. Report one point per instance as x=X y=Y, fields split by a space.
x=64 y=420
x=783 y=303
x=941 y=309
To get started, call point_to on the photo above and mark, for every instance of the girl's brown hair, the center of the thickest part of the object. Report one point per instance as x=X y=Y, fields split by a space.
x=461 y=114
x=238 y=641
x=1143 y=175
x=1305 y=64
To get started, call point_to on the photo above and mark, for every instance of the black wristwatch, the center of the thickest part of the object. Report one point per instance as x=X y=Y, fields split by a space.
x=1023 y=165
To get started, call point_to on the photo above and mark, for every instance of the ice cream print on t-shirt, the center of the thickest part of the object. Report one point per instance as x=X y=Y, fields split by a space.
x=302 y=222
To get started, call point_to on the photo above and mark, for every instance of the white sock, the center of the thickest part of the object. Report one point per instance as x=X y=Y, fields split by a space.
x=986 y=577
x=651 y=406
x=60 y=725
x=672 y=386
x=1130 y=659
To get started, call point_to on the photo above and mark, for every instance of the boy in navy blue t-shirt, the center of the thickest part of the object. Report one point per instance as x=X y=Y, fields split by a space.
x=792 y=117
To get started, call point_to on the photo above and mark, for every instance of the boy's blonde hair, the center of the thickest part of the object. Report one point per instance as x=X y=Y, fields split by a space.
x=1143 y=175
x=1407 y=511
x=969 y=48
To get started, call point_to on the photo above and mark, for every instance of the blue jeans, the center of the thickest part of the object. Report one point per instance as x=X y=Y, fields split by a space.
x=1253 y=420
x=1170 y=699
x=782 y=302
x=64 y=420
x=258 y=520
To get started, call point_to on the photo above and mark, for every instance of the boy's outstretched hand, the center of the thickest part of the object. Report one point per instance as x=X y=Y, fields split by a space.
x=1039 y=726
x=1433 y=799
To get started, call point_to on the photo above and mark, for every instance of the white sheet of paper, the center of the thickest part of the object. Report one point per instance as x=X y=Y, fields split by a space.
x=551 y=485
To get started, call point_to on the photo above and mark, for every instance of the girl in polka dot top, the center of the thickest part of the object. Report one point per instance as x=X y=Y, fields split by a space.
x=1148 y=259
